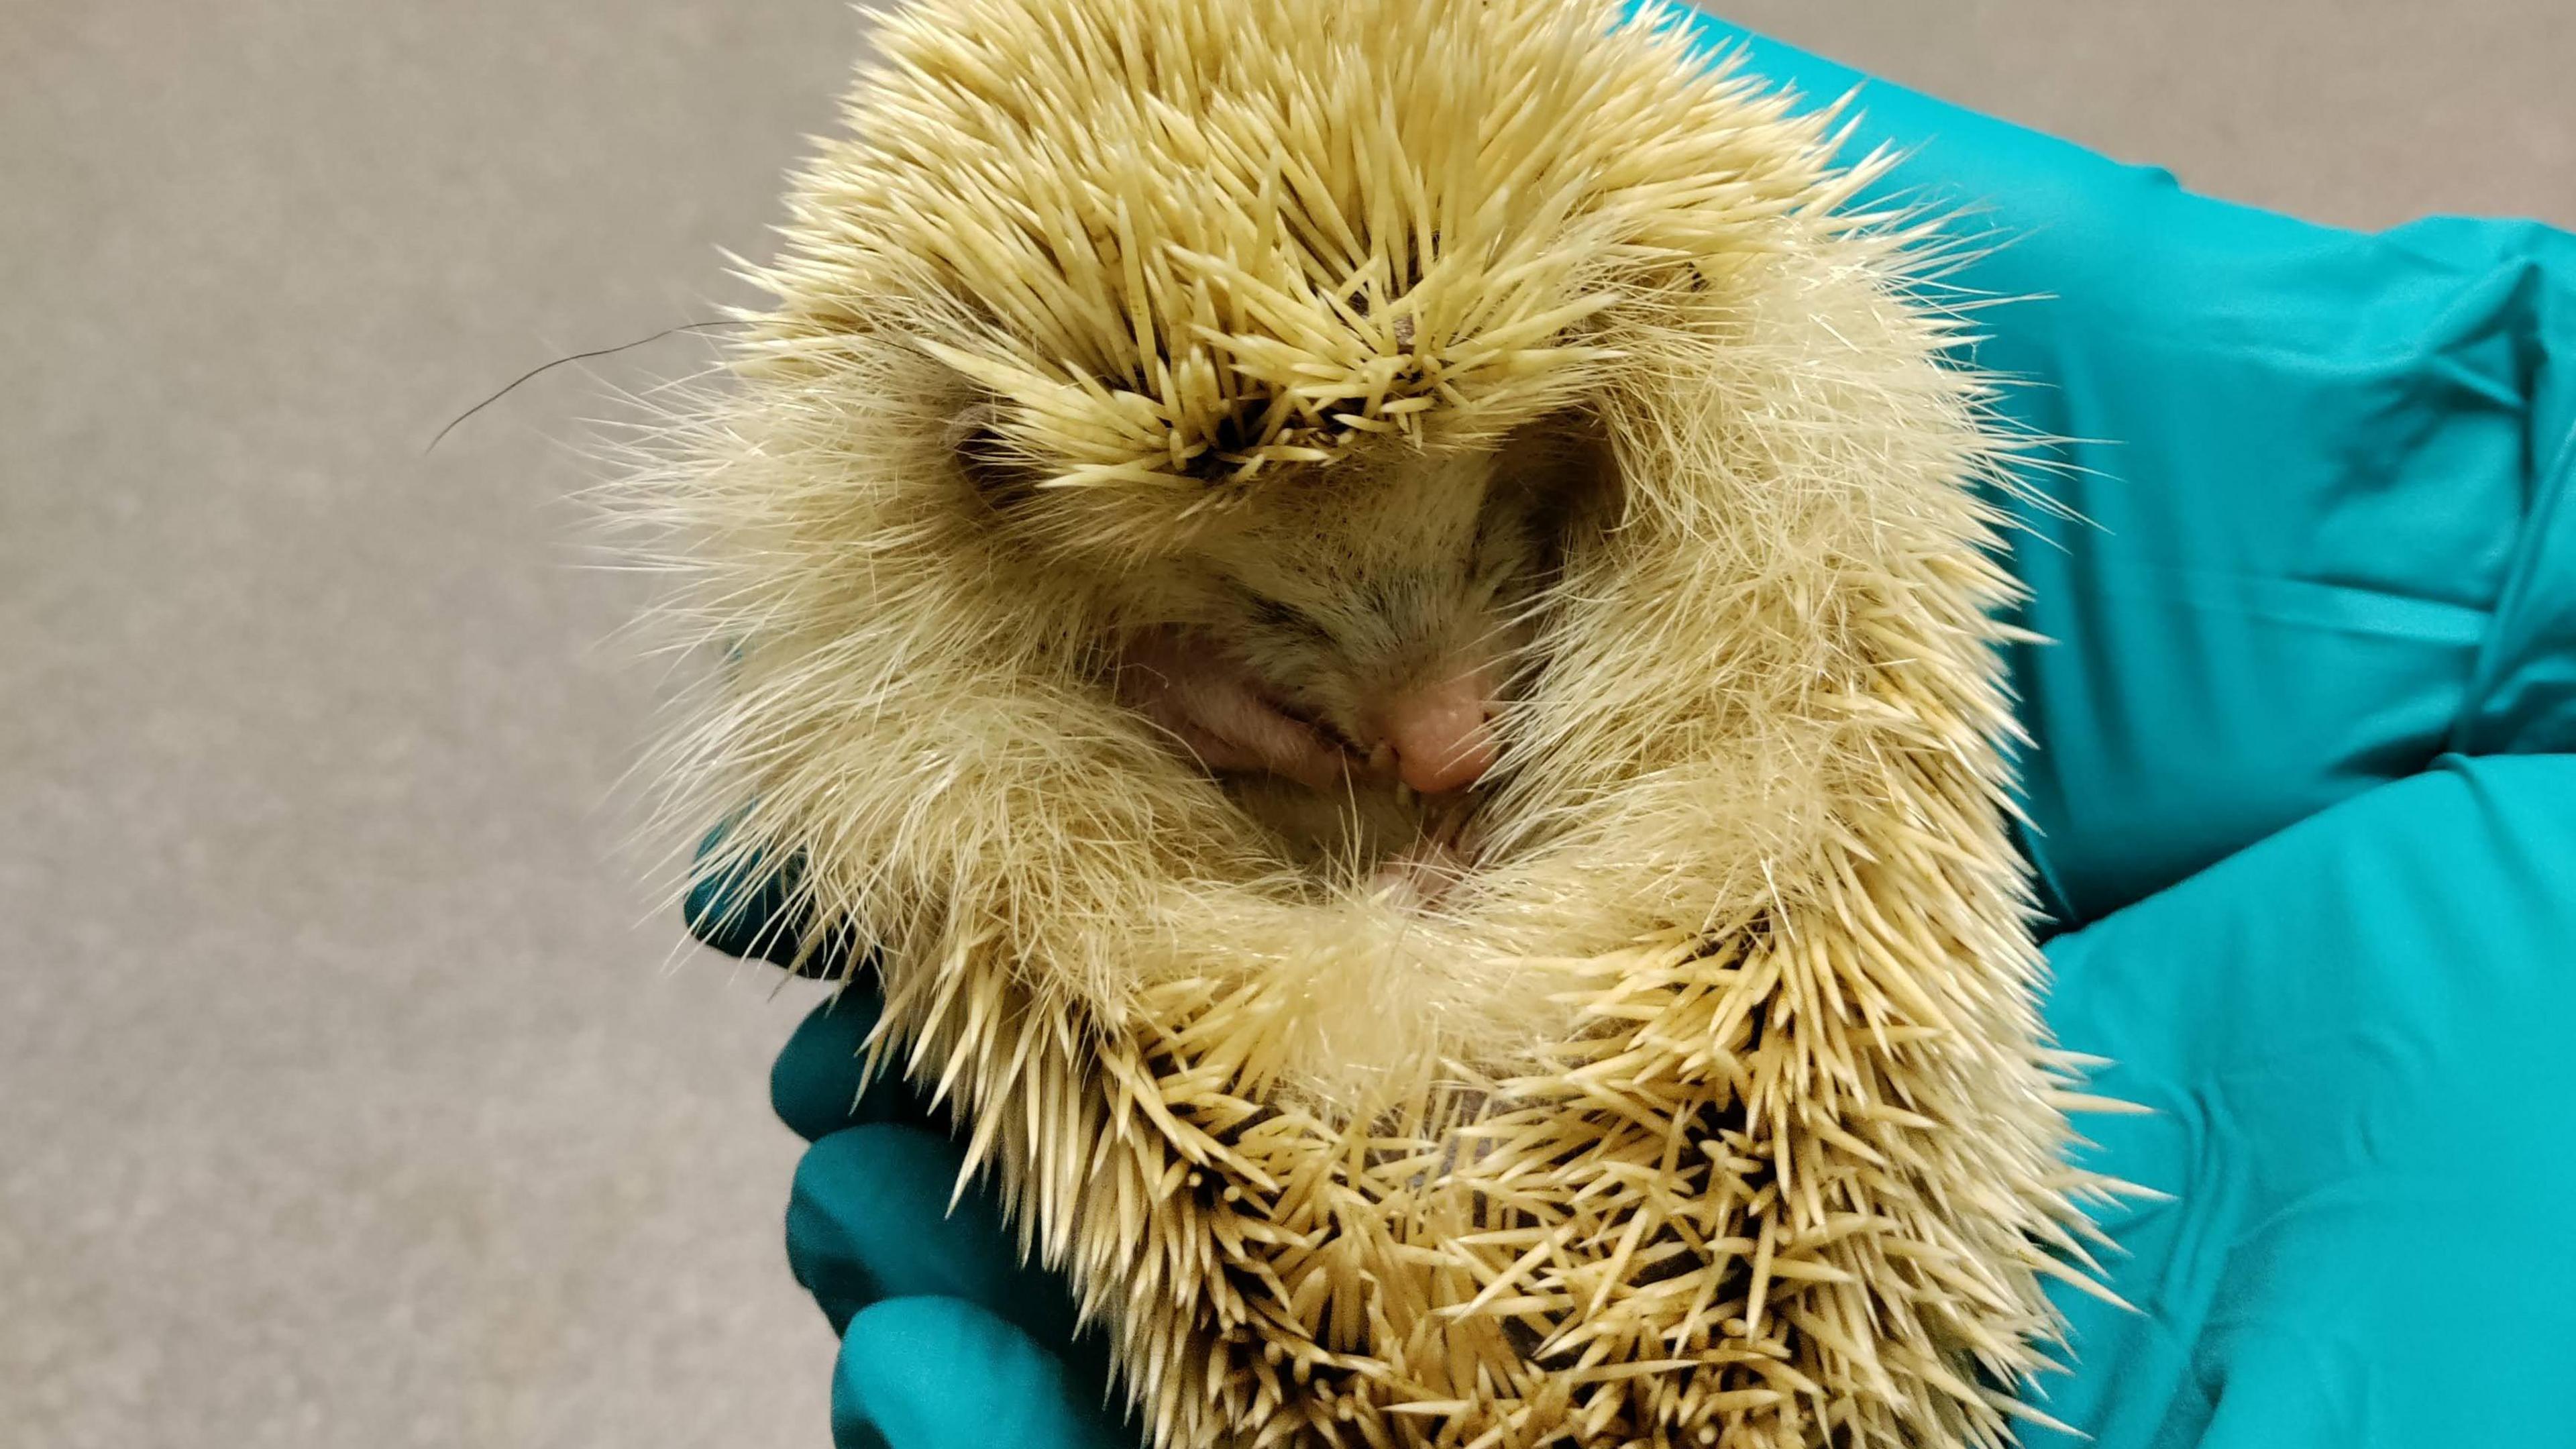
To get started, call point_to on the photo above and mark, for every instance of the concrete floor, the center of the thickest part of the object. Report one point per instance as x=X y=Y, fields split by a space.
x=349 y=1092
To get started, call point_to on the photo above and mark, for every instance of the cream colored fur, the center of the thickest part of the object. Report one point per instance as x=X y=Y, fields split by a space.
x=1713 y=1106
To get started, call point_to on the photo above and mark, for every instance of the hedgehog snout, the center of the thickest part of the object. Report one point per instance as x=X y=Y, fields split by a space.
x=1441 y=736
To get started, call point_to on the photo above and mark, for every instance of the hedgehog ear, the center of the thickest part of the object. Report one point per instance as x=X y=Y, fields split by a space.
x=999 y=472
x=1569 y=459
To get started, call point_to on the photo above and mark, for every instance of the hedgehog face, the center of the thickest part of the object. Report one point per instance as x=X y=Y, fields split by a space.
x=1385 y=598
x=1389 y=606
x=1389 y=599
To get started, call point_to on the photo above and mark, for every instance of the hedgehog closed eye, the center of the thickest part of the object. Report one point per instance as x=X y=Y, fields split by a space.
x=1281 y=618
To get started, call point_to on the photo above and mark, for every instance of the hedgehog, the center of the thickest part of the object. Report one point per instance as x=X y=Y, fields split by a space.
x=1382 y=617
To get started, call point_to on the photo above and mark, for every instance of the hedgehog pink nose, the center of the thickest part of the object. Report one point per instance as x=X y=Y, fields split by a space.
x=1443 y=736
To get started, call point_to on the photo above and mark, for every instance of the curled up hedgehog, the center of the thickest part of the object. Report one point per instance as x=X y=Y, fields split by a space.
x=1377 y=612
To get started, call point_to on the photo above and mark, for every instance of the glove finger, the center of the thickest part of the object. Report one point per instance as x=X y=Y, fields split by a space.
x=939 y=1373
x=869 y=1220
x=819 y=1084
x=2353 y=1037
x=747 y=906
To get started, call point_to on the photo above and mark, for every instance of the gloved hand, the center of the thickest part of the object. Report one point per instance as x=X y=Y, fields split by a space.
x=2326 y=549
x=2324 y=534
x=947 y=1337
x=2354 y=1039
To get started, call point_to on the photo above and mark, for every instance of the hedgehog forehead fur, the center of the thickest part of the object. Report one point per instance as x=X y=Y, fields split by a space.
x=1713 y=1105
x=1177 y=245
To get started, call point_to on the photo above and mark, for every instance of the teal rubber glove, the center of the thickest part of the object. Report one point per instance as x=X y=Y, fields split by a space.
x=2355 y=1039
x=2326 y=533
x=2327 y=550
x=949 y=1338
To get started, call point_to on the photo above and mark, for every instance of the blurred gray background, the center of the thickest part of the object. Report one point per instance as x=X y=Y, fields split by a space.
x=352 y=1092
